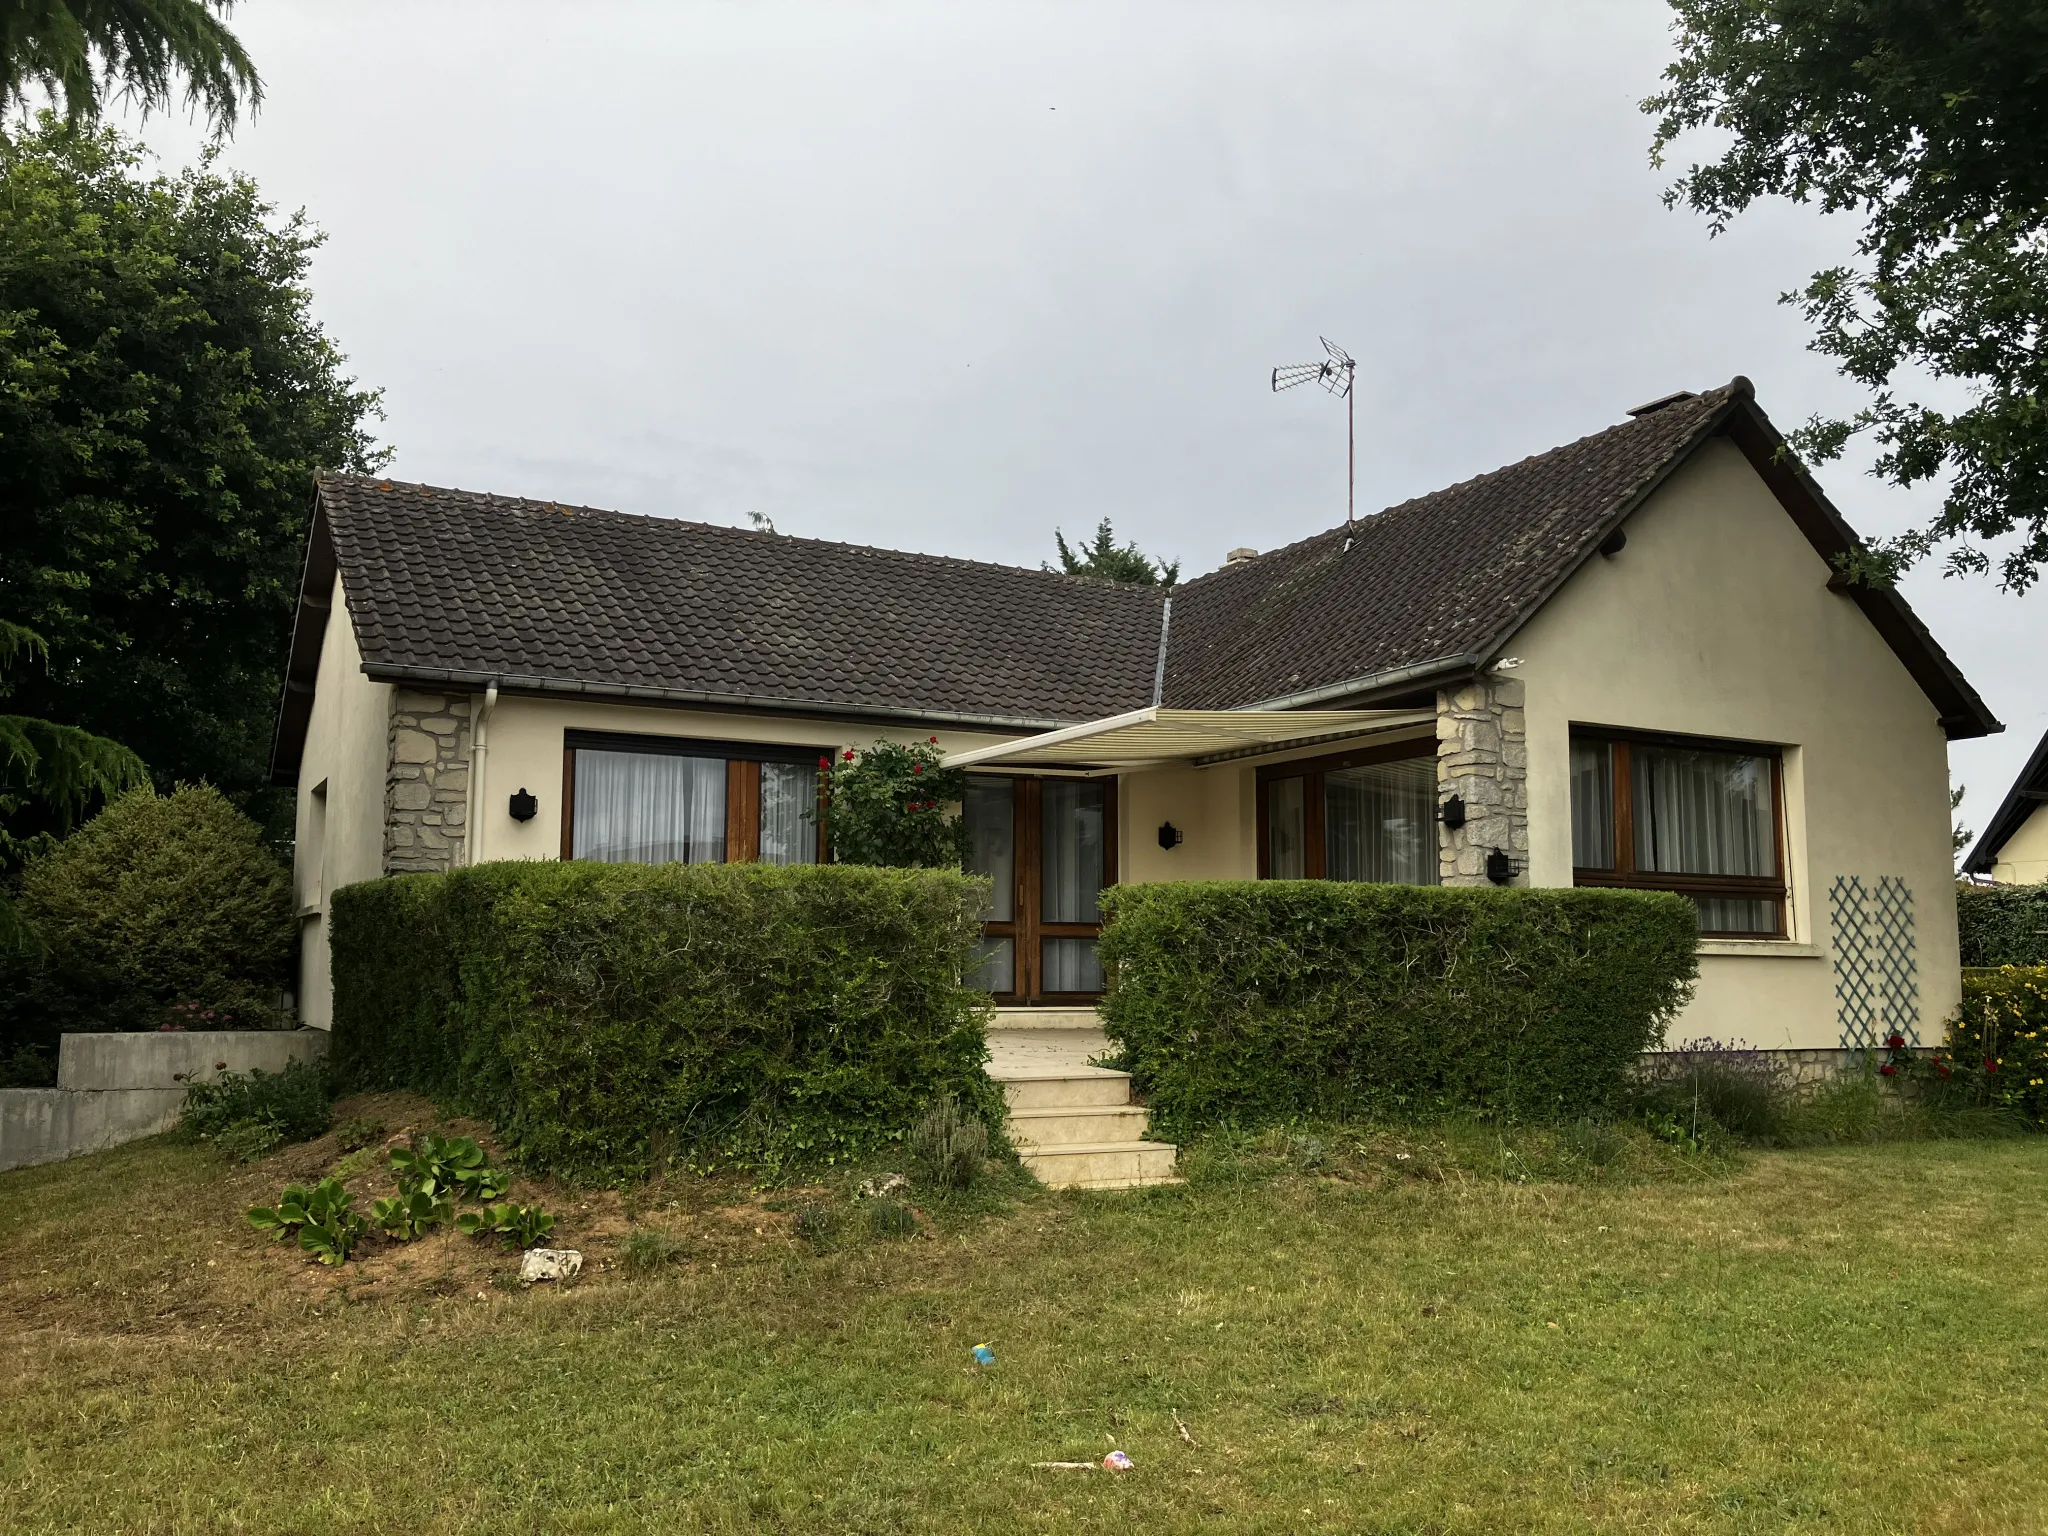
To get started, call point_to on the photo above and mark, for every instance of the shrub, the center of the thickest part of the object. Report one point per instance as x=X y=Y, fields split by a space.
x=895 y=806
x=2002 y=924
x=1255 y=1001
x=1746 y=1093
x=1998 y=1042
x=249 y=1113
x=606 y=1017
x=950 y=1149
x=161 y=909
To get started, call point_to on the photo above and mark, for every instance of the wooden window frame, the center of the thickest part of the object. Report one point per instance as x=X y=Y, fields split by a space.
x=1775 y=889
x=1314 y=856
x=1026 y=930
x=743 y=760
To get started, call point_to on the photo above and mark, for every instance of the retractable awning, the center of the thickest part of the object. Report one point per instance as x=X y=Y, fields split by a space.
x=1147 y=738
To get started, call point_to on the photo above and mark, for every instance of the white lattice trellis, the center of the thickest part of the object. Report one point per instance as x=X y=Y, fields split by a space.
x=1855 y=1009
x=1898 y=970
x=1877 y=972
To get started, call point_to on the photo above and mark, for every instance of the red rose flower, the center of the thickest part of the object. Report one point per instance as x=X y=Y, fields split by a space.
x=824 y=762
x=1894 y=1042
x=1990 y=1064
x=933 y=740
x=917 y=767
x=1941 y=1067
x=1888 y=1070
x=848 y=754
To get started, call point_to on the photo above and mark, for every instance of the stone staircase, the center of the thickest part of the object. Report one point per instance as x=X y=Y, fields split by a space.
x=1073 y=1125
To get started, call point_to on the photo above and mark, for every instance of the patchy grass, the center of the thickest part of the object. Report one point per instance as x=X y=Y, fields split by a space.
x=1837 y=1339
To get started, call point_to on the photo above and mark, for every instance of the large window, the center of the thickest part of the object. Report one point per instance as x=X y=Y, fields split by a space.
x=1672 y=814
x=658 y=800
x=1369 y=814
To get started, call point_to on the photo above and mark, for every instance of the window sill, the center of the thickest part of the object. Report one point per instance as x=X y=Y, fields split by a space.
x=1775 y=949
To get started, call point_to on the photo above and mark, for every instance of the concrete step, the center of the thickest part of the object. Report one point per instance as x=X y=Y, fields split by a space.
x=1047 y=1018
x=1091 y=1125
x=1072 y=1088
x=1112 y=1165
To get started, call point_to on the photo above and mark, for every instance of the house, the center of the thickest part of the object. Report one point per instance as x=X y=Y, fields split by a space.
x=2014 y=847
x=1629 y=661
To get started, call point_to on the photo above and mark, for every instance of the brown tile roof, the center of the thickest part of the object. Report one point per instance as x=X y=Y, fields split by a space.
x=1445 y=576
x=464 y=588
x=457 y=584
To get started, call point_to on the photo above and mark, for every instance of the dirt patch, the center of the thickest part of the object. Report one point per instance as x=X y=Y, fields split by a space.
x=153 y=1239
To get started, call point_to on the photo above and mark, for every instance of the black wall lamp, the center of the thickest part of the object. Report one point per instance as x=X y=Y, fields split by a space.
x=524 y=806
x=1169 y=835
x=1452 y=813
x=1500 y=869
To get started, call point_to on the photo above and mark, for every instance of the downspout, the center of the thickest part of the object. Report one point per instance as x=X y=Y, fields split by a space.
x=478 y=746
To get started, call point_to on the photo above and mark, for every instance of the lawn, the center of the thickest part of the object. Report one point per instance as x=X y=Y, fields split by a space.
x=1845 y=1339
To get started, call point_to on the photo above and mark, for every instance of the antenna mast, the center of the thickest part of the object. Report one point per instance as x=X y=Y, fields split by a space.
x=1335 y=373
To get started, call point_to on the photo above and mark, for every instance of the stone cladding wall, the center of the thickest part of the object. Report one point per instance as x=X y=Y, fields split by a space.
x=1482 y=756
x=426 y=785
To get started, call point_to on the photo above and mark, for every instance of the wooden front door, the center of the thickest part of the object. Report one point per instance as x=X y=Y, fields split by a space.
x=1048 y=846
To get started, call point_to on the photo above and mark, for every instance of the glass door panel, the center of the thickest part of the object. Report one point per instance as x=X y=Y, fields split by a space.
x=1287 y=829
x=991 y=813
x=1047 y=848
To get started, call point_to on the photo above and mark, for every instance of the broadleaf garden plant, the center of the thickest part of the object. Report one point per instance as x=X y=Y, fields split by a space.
x=432 y=1176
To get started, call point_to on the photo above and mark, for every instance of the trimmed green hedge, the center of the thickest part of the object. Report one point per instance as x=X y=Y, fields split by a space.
x=609 y=1017
x=1251 y=1001
x=2002 y=924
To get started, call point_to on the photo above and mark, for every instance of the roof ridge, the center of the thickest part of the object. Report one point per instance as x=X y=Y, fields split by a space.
x=387 y=482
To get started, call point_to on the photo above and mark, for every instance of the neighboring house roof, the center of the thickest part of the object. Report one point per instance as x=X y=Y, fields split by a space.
x=2028 y=793
x=463 y=589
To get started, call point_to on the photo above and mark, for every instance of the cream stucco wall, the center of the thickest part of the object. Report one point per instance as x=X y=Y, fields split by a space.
x=1715 y=620
x=340 y=801
x=2024 y=858
x=523 y=750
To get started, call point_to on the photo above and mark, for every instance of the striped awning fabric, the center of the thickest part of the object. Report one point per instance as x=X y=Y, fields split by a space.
x=1149 y=737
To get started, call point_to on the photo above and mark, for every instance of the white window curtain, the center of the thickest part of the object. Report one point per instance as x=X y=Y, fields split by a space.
x=1070 y=965
x=1592 y=805
x=647 y=808
x=992 y=846
x=1702 y=813
x=789 y=798
x=1379 y=823
x=1071 y=852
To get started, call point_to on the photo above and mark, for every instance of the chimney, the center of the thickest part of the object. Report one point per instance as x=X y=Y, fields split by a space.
x=1239 y=556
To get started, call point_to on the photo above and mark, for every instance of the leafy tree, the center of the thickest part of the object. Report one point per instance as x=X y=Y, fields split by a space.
x=1102 y=557
x=1929 y=119
x=166 y=400
x=77 y=49
x=57 y=769
x=895 y=806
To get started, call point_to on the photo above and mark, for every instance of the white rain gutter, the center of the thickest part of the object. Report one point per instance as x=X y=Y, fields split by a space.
x=479 y=745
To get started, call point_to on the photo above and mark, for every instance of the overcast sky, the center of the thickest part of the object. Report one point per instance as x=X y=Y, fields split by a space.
x=947 y=276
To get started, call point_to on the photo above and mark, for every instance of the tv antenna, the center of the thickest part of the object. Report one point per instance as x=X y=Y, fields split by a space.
x=1335 y=373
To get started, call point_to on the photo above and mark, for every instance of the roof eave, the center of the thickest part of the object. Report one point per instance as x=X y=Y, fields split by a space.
x=309 y=638
x=2012 y=812
x=634 y=693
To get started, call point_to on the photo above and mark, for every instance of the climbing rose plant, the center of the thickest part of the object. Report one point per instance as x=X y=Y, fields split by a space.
x=895 y=805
